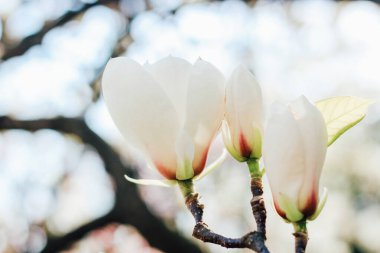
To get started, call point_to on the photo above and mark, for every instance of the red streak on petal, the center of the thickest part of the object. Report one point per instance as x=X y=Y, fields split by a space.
x=279 y=211
x=198 y=168
x=165 y=171
x=245 y=150
x=311 y=203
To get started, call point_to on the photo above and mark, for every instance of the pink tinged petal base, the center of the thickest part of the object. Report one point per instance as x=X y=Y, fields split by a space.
x=165 y=171
x=200 y=159
x=279 y=210
x=310 y=206
x=185 y=156
x=229 y=144
x=290 y=208
x=321 y=204
x=245 y=149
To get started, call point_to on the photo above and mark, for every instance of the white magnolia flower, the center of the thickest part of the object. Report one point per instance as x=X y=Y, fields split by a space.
x=171 y=110
x=294 y=152
x=244 y=111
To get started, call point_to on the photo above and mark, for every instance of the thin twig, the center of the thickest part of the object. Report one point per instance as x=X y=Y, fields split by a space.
x=56 y=244
x=253 y=240
x=257 y=202
x=300 y=236
x=301 y=239
x=258 y=205
x=36 y=38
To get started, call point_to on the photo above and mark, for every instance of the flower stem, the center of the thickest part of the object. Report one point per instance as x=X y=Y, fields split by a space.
x=301 y=236
x=186 y=187
x=257 y=201
x=254 y=168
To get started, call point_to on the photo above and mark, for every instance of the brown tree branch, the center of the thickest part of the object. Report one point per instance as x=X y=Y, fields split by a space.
x=258 y=205
x=129 y=207
x=300 y=236
x=56 y=244
x=257 y=201
x=36 y=38
x=253 y=240
x=301 y=239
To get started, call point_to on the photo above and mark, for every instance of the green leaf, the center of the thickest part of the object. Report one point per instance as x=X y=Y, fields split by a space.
x=342 y=113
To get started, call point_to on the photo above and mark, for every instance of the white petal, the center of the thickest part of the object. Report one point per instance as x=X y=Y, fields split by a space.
x=243 y=106
x=142 y=111
x=185 y=156
x=172 y=74
x=204 y=109
x=228 y=143
x=314 y=135
x=290 y=208
x=283 y=154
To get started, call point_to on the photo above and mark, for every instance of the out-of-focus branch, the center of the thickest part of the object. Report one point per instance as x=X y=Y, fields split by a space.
x=129 y=207
x=36 y=38
x=56 y=244
x=120 y=47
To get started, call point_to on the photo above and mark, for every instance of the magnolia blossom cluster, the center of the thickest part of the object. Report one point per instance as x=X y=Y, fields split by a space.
x=172 y=110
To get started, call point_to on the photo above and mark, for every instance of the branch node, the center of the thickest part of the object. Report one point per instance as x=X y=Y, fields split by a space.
x=258 y=205
x=253 y=240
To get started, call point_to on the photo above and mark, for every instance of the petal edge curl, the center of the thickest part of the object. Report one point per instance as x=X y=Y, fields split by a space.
x=152 y=182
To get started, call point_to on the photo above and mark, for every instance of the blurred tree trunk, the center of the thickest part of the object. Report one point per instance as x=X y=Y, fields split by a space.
x=129 y=208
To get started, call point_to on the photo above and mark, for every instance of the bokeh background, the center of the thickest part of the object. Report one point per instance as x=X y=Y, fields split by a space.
x=62 y=160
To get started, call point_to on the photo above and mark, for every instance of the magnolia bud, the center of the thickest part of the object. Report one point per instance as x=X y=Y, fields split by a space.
x=294 y=152
x=242 y=132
